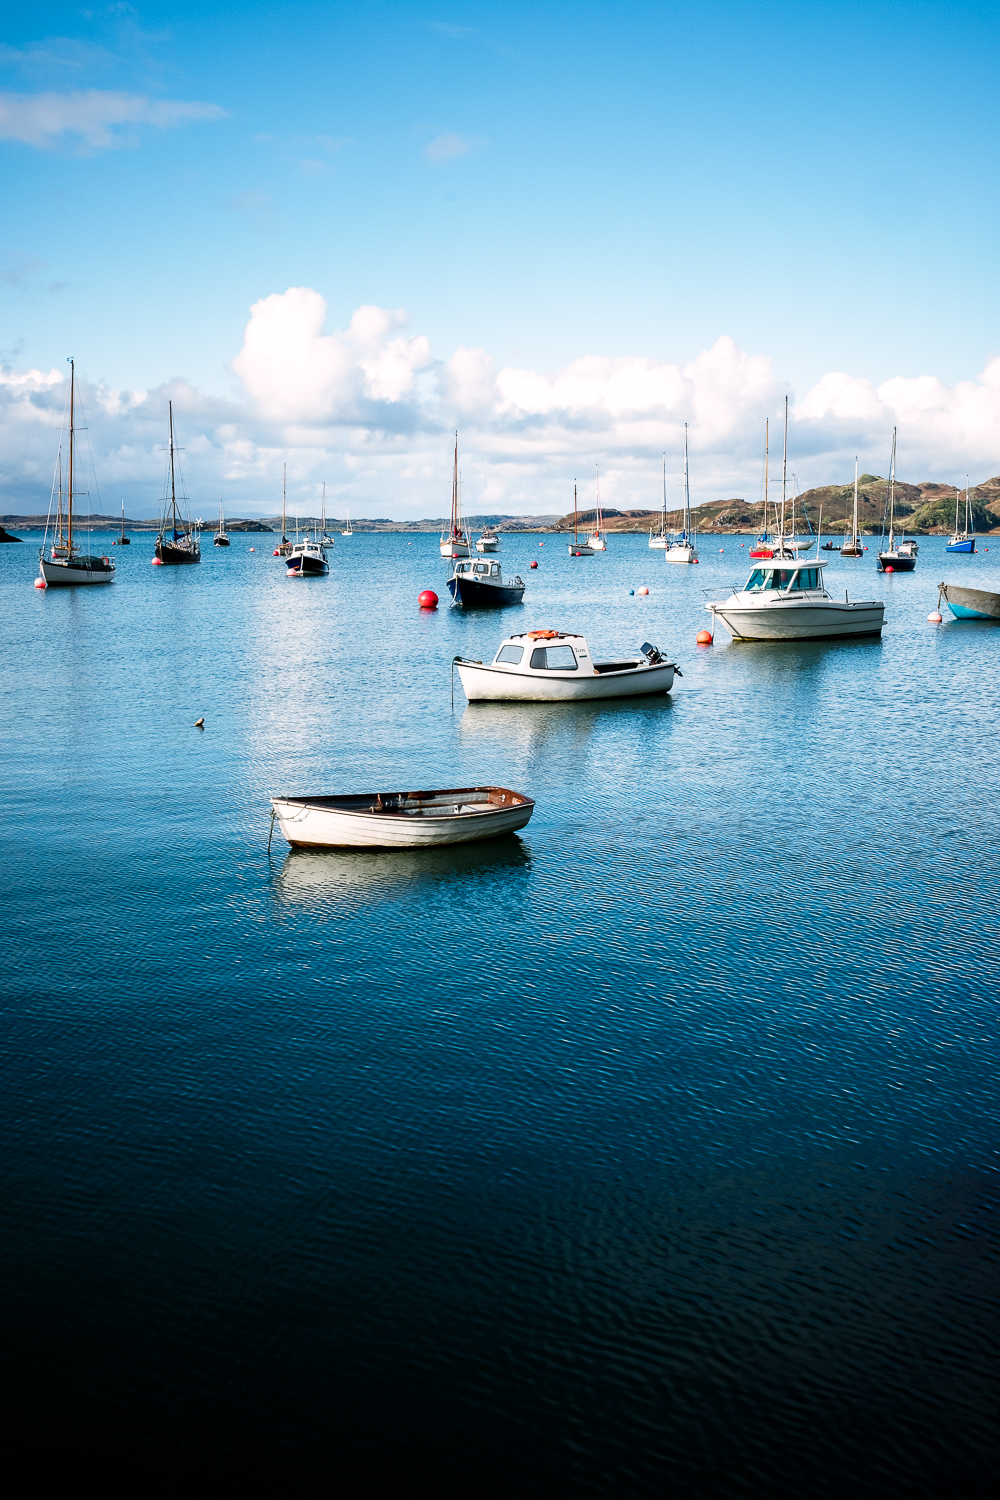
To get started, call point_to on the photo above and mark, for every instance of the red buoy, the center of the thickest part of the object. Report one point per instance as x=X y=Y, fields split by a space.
x=157 y=562
x=704 y=638
x=890 y=569
x=276 y=553
x=533 y=563
x=428 y=599
x=40 y=583
x=935 y=617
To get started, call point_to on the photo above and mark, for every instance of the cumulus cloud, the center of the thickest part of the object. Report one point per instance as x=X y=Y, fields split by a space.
x=296 y=373
x=370 y=410
x=98 y=119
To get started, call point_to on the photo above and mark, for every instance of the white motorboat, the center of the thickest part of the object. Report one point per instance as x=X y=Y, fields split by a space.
x=556 y=666
x=455 y=541
x=402 y=820
x=681 y=548
x=489 y=541
x=65 y=563
x=791 y=603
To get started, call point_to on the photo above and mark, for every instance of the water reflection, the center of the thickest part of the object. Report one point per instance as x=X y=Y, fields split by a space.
x=338 y=878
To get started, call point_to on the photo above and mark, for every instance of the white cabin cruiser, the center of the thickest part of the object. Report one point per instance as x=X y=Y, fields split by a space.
x=791 y=603
x=489 y=541
x=556 y=666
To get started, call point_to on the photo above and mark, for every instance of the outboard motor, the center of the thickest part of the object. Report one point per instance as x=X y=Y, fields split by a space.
x=651 y=654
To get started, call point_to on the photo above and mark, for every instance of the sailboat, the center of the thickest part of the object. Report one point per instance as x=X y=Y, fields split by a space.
x=325 y=538
x=284 y=547
x=681 y=548
x=900 y=556
x=660 y=538
x=576 y=548
x=350 y=528
x=454 y=542
x=598 y=540
x=221 y=537
x=66 y=563
x=853 y=548
x=123 y=540
x=183 y=544
x=963 y=541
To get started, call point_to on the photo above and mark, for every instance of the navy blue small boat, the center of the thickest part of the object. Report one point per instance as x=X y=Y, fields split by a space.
x=963 y=541
x=482 y=585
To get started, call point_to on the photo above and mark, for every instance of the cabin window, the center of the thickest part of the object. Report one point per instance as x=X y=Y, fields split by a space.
x=808 y=579
x=495 y=571
x=464 y=568
x=782 y=578
x=513 y=654
x=482 y=567
x=760 y=579
x=553 y=659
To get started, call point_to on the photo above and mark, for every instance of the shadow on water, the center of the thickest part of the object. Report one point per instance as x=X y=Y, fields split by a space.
x=335 y=877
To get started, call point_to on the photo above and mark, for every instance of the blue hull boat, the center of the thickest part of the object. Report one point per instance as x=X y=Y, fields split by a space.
x=970 y=604
x=961 y=544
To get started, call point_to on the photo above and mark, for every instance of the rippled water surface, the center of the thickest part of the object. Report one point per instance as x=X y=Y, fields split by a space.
x=652 y=1151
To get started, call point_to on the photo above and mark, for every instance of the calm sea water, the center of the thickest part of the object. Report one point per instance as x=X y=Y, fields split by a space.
x=653 y=1151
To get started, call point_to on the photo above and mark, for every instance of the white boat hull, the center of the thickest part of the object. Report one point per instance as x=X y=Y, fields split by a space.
x=309 y=825
x=482 y=546
x=597 y=544
x=679 y=554
x=454 y=549
x=796 y=620
x=59 y=574
x=659 y=541
x=489 y=684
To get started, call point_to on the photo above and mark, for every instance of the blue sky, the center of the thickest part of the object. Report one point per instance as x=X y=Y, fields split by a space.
x=543 y=183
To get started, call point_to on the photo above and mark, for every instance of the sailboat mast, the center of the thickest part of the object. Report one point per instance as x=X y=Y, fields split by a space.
x=69 y=498
x=687 y=491
x=454 y=494
x=576 y=528
x=968 y=506
x=324 y=507
x=767 y=446
x=284 y=477
x=892 y=490
x=663 y=521
x=854 y=531
x=173 y=491
x=784 y=469
x=60 y=497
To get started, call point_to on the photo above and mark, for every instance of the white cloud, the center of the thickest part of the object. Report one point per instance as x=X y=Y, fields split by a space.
x=368 y=409
x=98 y=118
x=294 y=372
x=448 y=147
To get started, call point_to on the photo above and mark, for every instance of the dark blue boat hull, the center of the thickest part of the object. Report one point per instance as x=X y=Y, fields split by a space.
x=471 y=594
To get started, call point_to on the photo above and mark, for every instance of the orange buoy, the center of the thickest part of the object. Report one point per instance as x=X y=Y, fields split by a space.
x=705 y=638
x=428 y=599
x=40 y=583
x=253 y=549
x=643 y=590
x=935 y=617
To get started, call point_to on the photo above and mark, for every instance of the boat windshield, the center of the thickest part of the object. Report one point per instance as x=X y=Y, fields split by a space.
x=464 y=568
x=553 y=658
x=511 y=654
x=759 y=579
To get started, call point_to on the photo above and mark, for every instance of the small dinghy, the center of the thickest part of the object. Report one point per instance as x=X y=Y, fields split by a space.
x=970 y=604
x=555 y=666
x=402 y=820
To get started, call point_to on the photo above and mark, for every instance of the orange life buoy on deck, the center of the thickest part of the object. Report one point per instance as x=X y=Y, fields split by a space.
x=542 y=635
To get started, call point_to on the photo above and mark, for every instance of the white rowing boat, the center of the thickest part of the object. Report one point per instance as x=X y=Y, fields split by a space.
x=401 y=820
x=556 y=666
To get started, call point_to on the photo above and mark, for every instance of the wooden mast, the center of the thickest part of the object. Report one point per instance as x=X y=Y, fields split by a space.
x=69 y=502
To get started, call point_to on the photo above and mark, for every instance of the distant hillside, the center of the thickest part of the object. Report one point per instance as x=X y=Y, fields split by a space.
x=440 y=523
